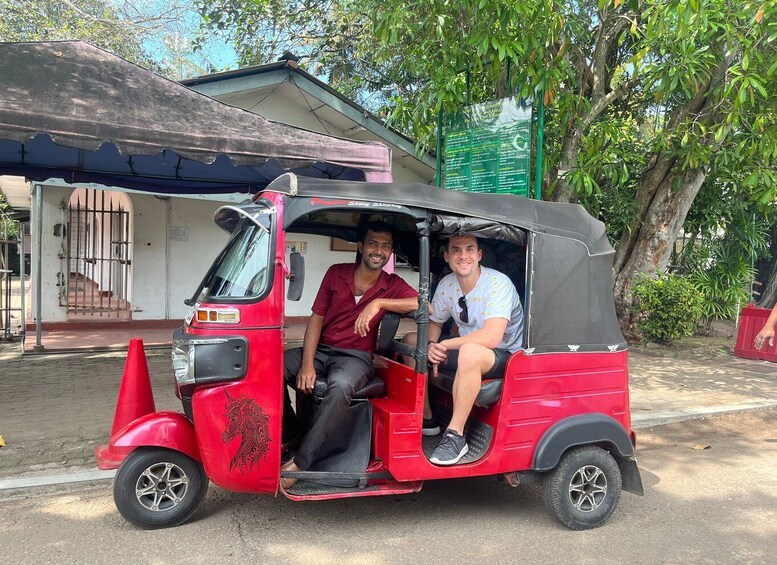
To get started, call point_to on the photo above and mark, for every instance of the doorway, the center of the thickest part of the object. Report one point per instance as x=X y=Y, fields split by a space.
x=96 y=279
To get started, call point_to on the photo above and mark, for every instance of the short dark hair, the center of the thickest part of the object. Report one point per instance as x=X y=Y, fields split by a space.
x=378 y=226
x=448 y=240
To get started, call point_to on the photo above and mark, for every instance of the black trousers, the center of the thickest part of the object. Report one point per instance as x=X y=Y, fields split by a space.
x=345 y=371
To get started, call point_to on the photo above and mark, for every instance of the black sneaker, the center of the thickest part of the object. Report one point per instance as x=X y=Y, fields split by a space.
x=451 y=448
x=431 y=427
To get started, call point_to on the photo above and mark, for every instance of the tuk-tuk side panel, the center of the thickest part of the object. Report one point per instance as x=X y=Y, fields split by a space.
x=403 y=384
x=238 y=424
x=403 y=396
x=540 y=390
x=400 y=444
x=396 y=431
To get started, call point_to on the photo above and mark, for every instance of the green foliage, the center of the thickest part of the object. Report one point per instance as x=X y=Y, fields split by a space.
x=154 y=34
x=669 y=307
x=8 y=227
x=724 y=283
x=624 y=80
x=96 y=21
x=727 y=239
x=333 y=39
x=612 y=154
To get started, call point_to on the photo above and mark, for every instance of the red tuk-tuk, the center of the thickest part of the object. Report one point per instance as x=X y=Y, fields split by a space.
x=560 y=415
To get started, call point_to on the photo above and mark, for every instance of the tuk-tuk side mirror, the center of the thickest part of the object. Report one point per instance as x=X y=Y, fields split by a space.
x=296 y=276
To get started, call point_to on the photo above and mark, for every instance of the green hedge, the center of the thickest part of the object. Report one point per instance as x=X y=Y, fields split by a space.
x=669 y=307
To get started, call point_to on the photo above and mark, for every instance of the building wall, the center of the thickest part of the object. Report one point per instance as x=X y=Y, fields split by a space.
x=174 y=241
x=191 y=251
x=282 y=109
x=54 y=200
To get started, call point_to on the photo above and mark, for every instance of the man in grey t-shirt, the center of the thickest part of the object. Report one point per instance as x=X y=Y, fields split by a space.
x=486 y=308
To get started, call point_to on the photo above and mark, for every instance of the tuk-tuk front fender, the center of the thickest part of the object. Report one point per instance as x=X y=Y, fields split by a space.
x=160 y=429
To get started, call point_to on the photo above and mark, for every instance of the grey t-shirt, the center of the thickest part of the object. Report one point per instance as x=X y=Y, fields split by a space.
x=494 y=296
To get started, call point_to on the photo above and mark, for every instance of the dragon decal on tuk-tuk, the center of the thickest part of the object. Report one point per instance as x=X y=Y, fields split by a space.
x=246 y=417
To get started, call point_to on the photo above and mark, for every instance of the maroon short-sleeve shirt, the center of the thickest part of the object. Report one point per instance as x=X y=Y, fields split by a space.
x=336 y=302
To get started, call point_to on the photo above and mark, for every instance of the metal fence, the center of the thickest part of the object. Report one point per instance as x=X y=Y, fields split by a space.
x=11 y=286
x=97 y=262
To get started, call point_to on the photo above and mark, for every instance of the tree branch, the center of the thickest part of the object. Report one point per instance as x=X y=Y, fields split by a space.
x=605 y=38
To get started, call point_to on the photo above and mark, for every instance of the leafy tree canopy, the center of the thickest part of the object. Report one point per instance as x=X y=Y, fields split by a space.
x=155 y=34
x=96 y=21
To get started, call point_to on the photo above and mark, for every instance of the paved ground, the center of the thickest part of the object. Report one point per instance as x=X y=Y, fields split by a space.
x=701 y=506
x=55 y=408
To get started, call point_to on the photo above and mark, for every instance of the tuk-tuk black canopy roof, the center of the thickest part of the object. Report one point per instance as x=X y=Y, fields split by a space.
x=74 y=111
x=558 y=219
x=568 y=302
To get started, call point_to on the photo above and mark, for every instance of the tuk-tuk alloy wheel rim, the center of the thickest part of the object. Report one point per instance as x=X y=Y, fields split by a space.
x=588 y=488
x=161 y=486
x=584 y=488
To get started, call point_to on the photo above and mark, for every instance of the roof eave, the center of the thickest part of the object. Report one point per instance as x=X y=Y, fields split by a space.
x=276 y=73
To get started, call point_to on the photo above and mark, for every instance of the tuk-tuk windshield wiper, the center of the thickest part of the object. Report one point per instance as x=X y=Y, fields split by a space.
x=244 y=269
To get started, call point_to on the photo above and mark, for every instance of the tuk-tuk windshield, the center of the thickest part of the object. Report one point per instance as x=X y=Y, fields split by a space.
x=243 y=270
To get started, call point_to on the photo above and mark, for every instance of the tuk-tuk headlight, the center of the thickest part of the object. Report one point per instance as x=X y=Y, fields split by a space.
x=183 y=363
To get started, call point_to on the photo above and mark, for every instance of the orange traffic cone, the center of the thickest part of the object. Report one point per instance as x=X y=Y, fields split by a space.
x=135 y=400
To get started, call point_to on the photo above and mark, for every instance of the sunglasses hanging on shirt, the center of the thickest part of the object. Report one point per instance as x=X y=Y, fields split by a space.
x=464 y=316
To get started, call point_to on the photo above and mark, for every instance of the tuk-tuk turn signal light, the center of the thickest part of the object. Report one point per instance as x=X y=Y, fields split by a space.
x=219 y=316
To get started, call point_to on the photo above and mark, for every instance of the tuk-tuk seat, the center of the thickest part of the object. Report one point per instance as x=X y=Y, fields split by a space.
x=387 y=329
x=490 y=390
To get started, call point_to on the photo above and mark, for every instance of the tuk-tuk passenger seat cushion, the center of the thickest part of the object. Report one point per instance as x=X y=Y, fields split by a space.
x=490 y=390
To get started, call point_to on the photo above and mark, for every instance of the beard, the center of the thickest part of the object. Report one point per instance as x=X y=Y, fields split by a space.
x=374 y=262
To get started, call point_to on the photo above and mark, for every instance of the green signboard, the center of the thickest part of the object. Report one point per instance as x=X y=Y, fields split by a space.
x=487 y=148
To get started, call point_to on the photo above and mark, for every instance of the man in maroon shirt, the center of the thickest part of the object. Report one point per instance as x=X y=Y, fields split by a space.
x=340 y=337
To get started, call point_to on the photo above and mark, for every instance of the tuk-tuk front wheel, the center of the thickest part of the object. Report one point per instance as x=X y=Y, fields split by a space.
x=583 y=490
x=159 y=488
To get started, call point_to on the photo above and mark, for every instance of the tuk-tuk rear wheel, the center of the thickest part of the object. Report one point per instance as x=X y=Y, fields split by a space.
x=583 y=490
x=159 y=488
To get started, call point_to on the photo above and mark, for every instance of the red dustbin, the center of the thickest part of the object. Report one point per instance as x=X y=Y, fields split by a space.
x=751 y=322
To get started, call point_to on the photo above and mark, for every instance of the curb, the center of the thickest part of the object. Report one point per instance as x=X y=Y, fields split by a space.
x=51 y=480
x=641 y=421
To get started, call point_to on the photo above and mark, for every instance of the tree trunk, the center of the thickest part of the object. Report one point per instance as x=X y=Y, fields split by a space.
x=664 y=196
x=648 y=247
x=570 y=147
x=767 y=272
x=769 y=292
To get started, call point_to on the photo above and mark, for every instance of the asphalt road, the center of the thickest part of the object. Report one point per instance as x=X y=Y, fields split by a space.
x=713 y=505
